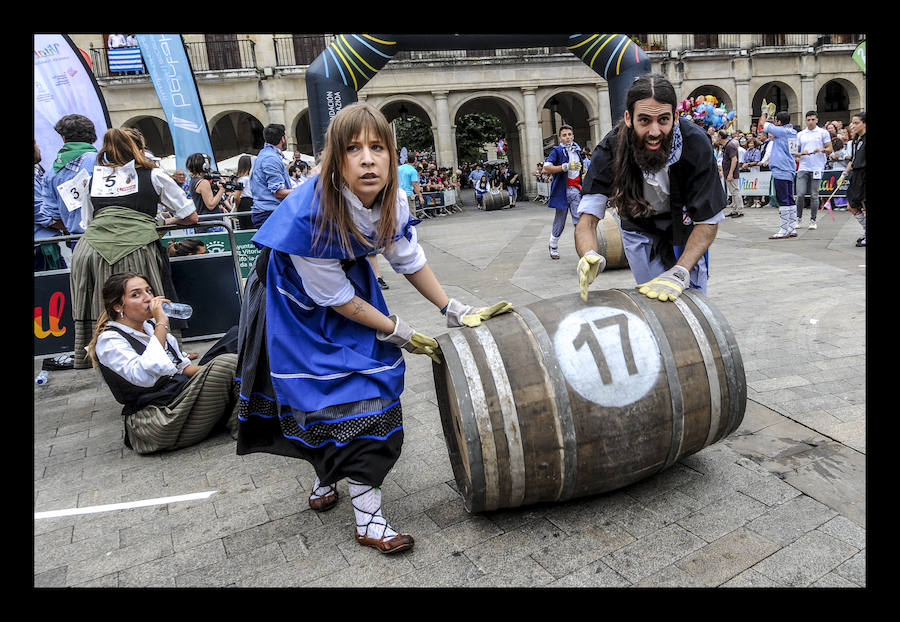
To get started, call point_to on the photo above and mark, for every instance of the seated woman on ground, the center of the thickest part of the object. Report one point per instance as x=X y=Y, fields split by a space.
x=168 y=402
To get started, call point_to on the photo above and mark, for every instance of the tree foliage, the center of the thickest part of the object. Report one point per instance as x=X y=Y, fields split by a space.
x=472 y=131
x=414 y=134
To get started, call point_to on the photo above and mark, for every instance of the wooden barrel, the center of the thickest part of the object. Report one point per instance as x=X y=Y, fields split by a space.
x=609 y=241
x=562 y=399
x=495 y=200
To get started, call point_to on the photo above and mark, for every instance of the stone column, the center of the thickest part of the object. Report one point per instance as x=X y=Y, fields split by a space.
x=532 y=147
x=604 y=116
x=807 y=87
x=742 y=99
x=443 y=146
x=275 y=114
x=744 y=106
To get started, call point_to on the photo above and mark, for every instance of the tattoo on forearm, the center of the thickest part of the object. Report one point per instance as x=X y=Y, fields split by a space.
x=358 y=306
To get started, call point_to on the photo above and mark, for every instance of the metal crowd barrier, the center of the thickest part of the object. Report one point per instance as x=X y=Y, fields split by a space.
x=54 y=325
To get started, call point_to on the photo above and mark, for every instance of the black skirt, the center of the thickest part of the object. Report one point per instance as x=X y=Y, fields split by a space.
x=856 y=191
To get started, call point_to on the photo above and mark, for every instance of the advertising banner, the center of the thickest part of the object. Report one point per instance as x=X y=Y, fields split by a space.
x=756 y=183
x=170 y=70
x=63 y=84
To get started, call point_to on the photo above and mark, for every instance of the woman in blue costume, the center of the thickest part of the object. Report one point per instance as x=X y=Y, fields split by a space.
x=320 y=366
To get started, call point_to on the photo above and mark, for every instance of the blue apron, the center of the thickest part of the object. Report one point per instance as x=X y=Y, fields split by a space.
x=317 y=357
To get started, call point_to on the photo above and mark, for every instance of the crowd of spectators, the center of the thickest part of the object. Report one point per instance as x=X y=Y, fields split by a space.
x=753 y=153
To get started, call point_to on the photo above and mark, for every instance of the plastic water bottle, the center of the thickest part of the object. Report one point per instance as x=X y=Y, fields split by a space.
x=177 y=310
x=42 y=377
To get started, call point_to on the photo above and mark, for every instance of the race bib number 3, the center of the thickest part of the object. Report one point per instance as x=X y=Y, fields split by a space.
x=74 y=192
x=114 y=181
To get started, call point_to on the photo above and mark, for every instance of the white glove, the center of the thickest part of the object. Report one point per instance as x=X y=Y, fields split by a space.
x=572 y=165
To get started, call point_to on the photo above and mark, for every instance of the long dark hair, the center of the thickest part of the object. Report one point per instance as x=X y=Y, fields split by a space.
x=628 y=181
x=334 y=218
x=119 y=148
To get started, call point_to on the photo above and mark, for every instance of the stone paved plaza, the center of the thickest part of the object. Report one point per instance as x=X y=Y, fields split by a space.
x=779 y=503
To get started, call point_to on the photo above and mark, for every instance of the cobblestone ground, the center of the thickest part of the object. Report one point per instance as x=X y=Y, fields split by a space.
x=780 y=502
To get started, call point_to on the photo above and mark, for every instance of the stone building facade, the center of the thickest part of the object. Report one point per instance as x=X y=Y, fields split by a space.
x=249 y=80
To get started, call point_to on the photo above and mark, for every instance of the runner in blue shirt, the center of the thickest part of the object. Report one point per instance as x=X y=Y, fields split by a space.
x=783 y=167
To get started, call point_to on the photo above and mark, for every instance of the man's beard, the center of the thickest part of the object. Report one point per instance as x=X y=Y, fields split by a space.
x=650 y=160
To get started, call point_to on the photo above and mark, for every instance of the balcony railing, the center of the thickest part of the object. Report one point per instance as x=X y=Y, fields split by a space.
x=298 y=50
x=219 y=55
x=100 y=65
x=204 y=56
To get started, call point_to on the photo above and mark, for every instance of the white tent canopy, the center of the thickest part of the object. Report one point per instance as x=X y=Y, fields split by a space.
x=229 y=166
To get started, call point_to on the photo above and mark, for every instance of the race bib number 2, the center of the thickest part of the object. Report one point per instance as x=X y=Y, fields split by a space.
x=114 y=181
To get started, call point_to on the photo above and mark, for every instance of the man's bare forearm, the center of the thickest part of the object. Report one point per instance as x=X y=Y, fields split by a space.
x=586 y=234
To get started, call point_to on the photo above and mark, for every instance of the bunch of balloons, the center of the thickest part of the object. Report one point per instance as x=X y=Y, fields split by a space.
x=706 y=110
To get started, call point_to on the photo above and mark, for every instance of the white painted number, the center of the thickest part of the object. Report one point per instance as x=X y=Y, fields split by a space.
x=609 y=356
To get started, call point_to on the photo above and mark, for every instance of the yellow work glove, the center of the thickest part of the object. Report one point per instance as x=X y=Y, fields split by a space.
x=422 y=344
x=408 y=339
x=474 y=318
x=668 y=285
x=459 y=314
x=588 y=267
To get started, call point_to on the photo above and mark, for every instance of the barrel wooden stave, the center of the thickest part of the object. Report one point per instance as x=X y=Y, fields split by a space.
x=609 y=241
x=568 y=445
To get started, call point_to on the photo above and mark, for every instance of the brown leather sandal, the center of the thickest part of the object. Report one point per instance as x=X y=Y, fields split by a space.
x=321 y=504
x=394 y=544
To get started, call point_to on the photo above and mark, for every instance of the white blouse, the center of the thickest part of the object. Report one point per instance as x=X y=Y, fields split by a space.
x=143 y=370
x=325 y=280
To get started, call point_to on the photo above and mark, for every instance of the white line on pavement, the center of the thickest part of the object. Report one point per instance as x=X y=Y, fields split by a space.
x=93 y=509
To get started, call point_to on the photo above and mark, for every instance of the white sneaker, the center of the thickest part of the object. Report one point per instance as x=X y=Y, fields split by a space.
x=812 y=225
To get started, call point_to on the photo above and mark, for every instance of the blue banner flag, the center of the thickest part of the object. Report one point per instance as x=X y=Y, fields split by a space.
x=170 y=70
x=125 y=59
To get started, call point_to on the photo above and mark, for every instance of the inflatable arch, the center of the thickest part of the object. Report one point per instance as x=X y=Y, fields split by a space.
x=350 y=61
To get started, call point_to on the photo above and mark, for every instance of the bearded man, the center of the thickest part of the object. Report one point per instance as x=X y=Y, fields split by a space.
x=659 y=171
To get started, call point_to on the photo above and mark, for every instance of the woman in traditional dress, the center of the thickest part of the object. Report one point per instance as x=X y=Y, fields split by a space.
x=168 y=402
x=119 y=214
x=320 y=364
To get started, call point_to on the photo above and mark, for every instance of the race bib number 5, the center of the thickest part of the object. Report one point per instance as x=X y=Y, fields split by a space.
x=114 y=181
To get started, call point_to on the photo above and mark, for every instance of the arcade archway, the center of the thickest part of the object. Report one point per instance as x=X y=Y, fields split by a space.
x=157 y=137
x=236 y=132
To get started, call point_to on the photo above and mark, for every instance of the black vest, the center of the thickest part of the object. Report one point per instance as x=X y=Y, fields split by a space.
x=144 y=200
x=132 y=397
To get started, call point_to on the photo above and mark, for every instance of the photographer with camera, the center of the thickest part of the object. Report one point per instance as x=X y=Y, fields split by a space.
x=207 y=189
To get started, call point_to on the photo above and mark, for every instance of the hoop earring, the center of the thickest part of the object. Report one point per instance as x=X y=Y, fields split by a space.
x=334 y=185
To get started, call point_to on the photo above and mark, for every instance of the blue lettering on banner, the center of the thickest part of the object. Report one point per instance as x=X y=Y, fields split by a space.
x=170 y=70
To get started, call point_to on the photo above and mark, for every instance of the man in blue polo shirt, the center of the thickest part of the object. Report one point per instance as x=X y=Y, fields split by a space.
x=408 y=178
x=783 y=167
x=269 y=181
